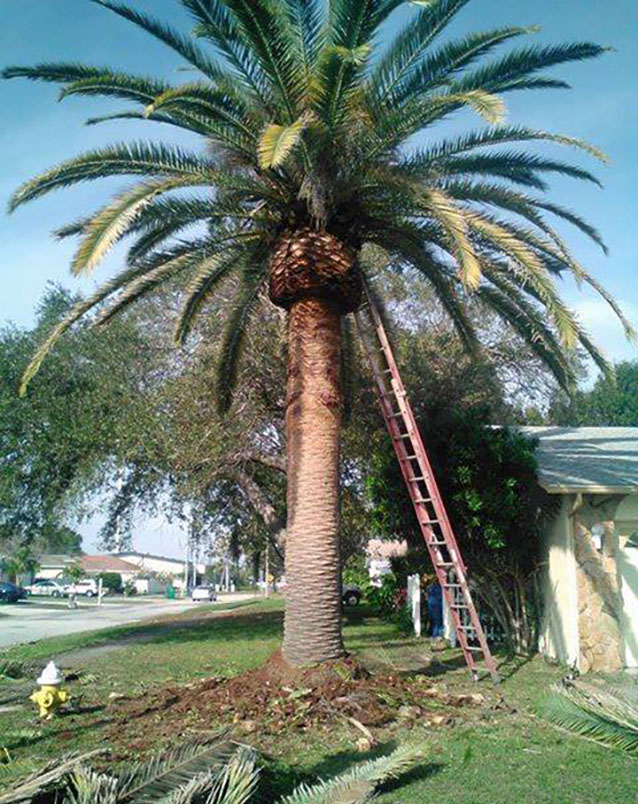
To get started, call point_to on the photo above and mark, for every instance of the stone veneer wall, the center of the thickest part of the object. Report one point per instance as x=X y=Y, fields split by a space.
x=599 y=602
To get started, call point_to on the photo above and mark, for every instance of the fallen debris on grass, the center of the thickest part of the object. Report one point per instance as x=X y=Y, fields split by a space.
x=269 y=699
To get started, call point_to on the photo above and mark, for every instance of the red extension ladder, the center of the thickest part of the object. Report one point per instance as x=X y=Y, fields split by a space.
x=426 y=498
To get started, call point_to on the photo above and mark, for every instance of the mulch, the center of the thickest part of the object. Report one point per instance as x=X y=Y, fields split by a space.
x=273 y=697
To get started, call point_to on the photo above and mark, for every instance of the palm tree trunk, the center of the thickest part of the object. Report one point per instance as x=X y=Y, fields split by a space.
x=312 y=630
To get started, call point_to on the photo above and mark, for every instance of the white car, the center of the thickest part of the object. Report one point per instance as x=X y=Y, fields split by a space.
x=203 y=594
x=87 y=586
x=46 y=587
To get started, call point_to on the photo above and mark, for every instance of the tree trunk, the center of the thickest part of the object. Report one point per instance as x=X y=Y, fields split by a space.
x=312 y=630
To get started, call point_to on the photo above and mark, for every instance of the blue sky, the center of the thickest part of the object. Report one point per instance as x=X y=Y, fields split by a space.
x=37 y=132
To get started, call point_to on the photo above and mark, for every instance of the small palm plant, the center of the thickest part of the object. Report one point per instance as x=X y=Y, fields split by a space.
x=319 y=140
x=206 y=773
x=604 y=715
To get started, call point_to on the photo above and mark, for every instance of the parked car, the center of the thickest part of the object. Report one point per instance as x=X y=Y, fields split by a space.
x=87 y=586
x=11 y=592
x=203 y=594
x=351 y=595
x=46 y=587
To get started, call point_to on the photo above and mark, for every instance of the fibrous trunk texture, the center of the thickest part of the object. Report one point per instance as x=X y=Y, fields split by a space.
x=312 y=631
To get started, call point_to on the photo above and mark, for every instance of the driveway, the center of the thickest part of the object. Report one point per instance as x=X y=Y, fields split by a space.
x=32 y=620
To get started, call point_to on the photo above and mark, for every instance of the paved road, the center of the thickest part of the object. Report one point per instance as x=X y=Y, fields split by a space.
x=31 y=620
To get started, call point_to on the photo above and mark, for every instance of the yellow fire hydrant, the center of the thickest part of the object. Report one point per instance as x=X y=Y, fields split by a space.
x=50 y=696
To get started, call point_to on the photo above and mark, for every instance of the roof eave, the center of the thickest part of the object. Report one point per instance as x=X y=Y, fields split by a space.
x=566 y=489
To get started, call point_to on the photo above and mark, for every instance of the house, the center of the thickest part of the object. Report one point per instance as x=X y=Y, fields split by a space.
x=172 y=569
x=97 y=565
x=379 y=555
x=55 y=566
x=590 y=588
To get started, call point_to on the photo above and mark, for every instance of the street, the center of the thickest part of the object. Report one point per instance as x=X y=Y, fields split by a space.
x=38 y=619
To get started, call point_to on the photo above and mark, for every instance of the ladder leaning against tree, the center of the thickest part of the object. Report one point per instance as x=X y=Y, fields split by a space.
x=428 y=505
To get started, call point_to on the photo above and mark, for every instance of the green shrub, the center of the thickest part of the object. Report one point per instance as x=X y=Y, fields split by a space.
x=111 y=581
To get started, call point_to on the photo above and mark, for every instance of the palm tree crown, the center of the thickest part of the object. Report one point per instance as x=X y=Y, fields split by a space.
x=309 y=127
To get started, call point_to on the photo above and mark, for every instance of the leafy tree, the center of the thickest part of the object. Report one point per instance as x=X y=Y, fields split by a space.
x=61 y=439
x=21 y=562
x=309 y=126
x=608 y=404
x=112 y=581
x=488 y=480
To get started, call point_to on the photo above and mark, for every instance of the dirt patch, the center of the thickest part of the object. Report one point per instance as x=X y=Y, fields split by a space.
x=273 y=698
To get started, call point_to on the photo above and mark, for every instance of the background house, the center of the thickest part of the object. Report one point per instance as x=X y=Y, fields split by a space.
x=169 y=569
x=591 y=581
x=379 y=555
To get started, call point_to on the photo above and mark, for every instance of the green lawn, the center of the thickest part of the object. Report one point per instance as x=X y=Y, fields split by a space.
x=499 y=754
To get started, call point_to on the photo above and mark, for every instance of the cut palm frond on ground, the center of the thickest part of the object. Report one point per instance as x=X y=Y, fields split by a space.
x=606 y=716
x=213 y=772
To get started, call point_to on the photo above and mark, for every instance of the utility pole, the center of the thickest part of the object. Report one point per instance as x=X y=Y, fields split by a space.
x=267 y=571
x=188 y=544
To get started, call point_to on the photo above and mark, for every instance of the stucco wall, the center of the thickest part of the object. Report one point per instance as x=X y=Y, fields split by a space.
x=626 y=525
x=559 y=635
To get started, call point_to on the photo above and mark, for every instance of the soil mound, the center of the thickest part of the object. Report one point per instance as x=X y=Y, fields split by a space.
x=275 y=697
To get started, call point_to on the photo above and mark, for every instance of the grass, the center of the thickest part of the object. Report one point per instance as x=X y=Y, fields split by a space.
x=504 y=755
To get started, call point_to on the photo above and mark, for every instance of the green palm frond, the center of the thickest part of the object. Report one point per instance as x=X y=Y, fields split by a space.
x=244 y=305
x=164 y=33
x=148 y=279
x=436 y=70
x=358 y=785
x=206 y=276
x=116 y=160
x=237 y=783
x=306 y=120
x=202 y=100
x=111 y=223
x=412 y=247
x=508 y=165
x=515 y=70
x=502 y=134
x=407 y=49
x=89 y=787
x=214 y=22
x=135 y=88
x=603 y=715
x=267 y=32
x=528 y=322
x=148 y=782
x=54 y=72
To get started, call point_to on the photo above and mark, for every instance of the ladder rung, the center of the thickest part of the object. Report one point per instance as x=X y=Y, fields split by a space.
x=445 y=564
x=422 y=499
x=417 y=480
x=403 y=435
x=459 y=606
x=452 y=585
x=394 y=415
x=437 y=544
x=410 y=458
x=474 y=650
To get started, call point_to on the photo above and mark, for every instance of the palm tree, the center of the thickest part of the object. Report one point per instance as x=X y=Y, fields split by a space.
x=309 y=121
